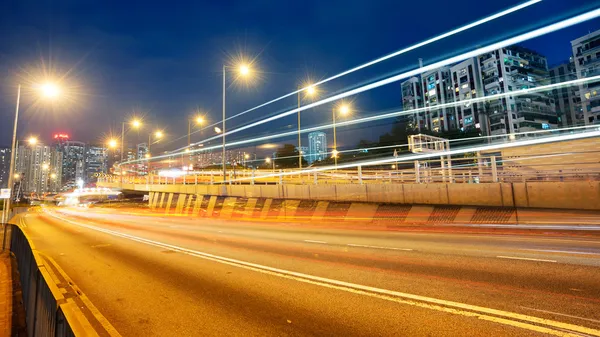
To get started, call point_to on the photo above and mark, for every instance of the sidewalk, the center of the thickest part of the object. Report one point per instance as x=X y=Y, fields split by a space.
x=6 y=295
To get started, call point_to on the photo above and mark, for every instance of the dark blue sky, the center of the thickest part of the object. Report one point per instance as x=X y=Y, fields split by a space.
x=164 y=58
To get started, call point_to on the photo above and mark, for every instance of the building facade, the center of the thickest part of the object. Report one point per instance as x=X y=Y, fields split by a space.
x=567 y=100
x=4 y=166
x=412 y=98
x=96 y=162
x=467 y=85
x=586 y=53
x=437 y=88
x=510 y=69
x=317 y=146
x=39 y=169
x=73 y=169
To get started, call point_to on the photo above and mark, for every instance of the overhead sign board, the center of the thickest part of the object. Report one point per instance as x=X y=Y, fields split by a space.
x=5 y=193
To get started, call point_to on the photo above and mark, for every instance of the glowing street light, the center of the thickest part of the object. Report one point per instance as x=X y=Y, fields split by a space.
x=269 y=161
x=32 y=141
x=16 y=176
x=45 y=166
x=243 y=69
x=199 y=120
x=53 y=175
x=218 y=130
x=158 y=134
x=136 y=124
x=50 y=90
x=112 y=143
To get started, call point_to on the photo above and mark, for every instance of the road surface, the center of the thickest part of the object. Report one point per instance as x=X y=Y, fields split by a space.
x=156 y=276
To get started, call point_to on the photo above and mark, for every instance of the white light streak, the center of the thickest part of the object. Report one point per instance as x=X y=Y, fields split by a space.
x=438 y=154
x=508 y=42
x=400 y=52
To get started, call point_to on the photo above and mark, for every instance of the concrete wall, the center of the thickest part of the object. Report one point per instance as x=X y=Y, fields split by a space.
x=579 y=195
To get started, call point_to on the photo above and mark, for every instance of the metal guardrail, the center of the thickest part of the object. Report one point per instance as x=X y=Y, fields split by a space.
x=48 y=312
x=574 y=166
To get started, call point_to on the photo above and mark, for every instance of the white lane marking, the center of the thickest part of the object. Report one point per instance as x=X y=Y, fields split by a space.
x=458 y=308
x=561 y=251
x=523 y=258
x=220 y=231
x=558 y=313
x=315 y=241
x=379 y=247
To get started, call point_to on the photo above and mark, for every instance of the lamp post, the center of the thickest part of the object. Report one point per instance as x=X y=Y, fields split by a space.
x=344 y=109
x=268 y=161
x=48 y=90
x=135 y=123
x=243 y=70
x=310 y=91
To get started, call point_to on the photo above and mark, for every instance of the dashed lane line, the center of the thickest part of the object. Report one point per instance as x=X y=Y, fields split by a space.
x=531 y=323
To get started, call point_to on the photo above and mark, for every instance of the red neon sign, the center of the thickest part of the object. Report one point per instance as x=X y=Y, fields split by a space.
x=61 y=136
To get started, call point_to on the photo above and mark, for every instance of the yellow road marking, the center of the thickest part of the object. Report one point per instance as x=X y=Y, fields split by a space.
x=507 y=318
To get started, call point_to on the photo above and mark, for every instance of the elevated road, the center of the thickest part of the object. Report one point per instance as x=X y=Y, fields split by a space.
x=153 y=276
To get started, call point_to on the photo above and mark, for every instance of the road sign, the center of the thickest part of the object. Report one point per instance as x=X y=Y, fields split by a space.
x=5 y=193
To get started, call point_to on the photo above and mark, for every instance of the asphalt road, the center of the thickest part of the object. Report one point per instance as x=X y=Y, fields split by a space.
x=155 y=276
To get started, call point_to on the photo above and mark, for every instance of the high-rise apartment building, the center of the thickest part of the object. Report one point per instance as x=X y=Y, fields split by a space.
x=412 y=98
x=567 y=100
x=467 y=85
x=586 y=53
x=95 y=161
x=39 y=168
x=437 y=88
x=501 y=71
x=510 y=69
x=4 y=166
x=73 y=169
x=317 y=146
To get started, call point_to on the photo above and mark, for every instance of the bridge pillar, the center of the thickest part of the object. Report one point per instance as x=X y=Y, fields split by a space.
x=360 y=181
x=417 y=177
x=494 y=169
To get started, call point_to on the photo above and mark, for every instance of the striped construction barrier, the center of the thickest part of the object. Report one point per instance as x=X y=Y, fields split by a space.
x=390 y=215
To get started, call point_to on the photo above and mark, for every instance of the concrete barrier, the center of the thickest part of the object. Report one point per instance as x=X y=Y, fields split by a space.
x=582 y=195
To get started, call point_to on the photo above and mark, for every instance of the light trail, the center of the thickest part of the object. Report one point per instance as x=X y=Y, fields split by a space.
x=436 y=154
x=400 y=52
x=494 y=46
x=391 y=115
x=417 y=110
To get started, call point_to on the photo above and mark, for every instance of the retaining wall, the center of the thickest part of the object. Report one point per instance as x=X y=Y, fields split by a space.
x=578 y=195
x=252 y=208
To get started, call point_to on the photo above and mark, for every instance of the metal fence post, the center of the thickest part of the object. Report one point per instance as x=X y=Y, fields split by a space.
x=494 y=169
x=195 y=179
x=229 y=177
x=252 y=180
x=280 y=177
x=417 y=173
x=315 y=178
x=212 y=179
x=360 y=180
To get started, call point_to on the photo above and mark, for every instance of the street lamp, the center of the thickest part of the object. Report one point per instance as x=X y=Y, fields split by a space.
x=157 y=135
x=45 y=166
x=112 y=143
x=32 y=141
x=268 y=161
x=343 y=109
x=244 y=70
x=309 y=91
x=199 y=120
x=48 y=90
x=136 y=124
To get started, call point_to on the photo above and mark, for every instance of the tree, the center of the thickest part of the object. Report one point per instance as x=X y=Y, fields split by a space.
x=287 y=157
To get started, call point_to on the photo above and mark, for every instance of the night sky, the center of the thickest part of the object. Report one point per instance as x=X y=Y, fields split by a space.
x=163 y=59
